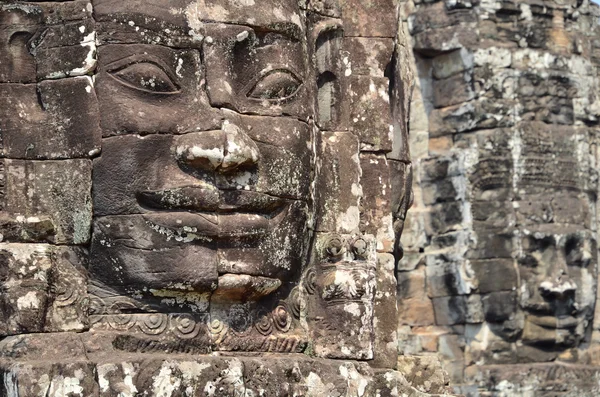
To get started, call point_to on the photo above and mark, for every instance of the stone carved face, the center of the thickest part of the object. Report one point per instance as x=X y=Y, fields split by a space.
x=204 y=154
x=203 y=183
x=535 y=261
x=558 y=280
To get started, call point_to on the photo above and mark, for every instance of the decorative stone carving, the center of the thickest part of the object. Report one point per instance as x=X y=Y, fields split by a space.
x=184 y=179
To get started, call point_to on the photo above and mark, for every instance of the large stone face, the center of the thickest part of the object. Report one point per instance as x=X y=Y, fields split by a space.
x=503 y=234
x=185 y=179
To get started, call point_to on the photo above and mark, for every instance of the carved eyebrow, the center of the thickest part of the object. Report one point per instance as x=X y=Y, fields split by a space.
x=287 y=29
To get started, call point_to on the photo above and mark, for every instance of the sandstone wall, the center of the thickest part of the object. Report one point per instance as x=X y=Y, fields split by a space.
x=499 y=277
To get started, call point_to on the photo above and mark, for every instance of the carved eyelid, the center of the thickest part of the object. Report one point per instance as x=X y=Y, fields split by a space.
x=267 y=72
x=122 y=64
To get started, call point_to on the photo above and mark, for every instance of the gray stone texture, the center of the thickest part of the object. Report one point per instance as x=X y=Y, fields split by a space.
x=499 y=277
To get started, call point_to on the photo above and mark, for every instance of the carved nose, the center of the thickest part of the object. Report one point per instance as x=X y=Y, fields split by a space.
x=221 y=151
x=560 y=288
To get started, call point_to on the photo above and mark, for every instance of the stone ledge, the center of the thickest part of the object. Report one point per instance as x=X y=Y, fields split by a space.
x=84 y=372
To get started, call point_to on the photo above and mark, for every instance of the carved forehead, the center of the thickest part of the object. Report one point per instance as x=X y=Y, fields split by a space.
x=194 y=13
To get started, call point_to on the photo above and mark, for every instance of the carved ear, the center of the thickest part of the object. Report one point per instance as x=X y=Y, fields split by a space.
x=328 y=36
x=21 y=62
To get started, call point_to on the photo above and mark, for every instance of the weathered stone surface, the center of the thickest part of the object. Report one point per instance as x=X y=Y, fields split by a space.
x=425 y=372
x=43 y=41
x=132 y=91
x=200 y=198
x=340 y=210
x=57 y=194
x=342 y=293
x=376 y=206
x=385 y=314
x=372 y=19
x=414 y=306
x=368 y=56
x=45 y=289
x=369 y=115
x=75 y=378
x=276 y=376
x=50 y=120
x=505 y=193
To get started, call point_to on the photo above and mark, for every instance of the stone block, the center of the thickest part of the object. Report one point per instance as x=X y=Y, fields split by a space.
x=414 y=306
x=369 y=114
x=342 y=300
x=459 y=309
x=472 y=115
x=410 y=260
x=446 y=190
x=500 y=306
x=449 y=64
x=448 y=275
x=330 y=8
x=376 y=211
x=234 y=84
x=47 y=378
x=494 y=57
x=142 y=110
x=385 y=314
x=435 y=16
x=367 y=56
x=453 y=90
x=16 y=29
x=446 y=217
x=495 y=274
x=442 y=40
x=34 y=36
x=440 y=167
x=452 y=347
x=440 y=145
x=449 y=242
x=45 y=289
x=66 y=50
x=485 y=345
x=369 y=19
x=58 y=193
x=339 y=191
x=425 y=373
x=192 y=377
x=492 y=214
x=53 y=120
x=492 y=244
x=401 y=178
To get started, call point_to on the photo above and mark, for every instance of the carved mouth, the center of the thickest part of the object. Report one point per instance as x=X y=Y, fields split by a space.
x=208 y=199
x=205 y=212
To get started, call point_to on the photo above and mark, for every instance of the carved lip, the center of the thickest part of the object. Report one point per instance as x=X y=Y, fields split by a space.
x=201 y=227
x=244 y=287
x=208 y=199
x=554 y=322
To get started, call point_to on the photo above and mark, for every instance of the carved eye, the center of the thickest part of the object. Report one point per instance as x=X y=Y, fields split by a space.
x=276 y=85
x=146 y=76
